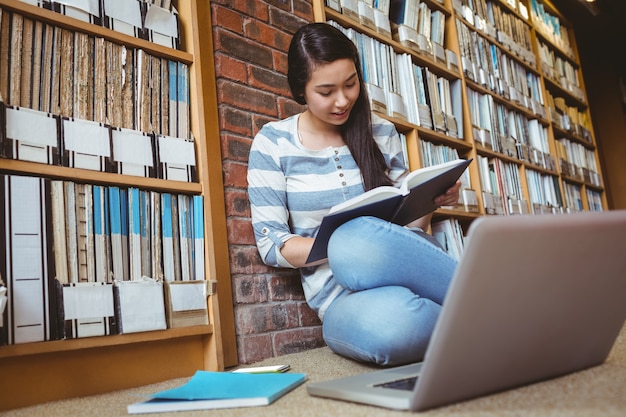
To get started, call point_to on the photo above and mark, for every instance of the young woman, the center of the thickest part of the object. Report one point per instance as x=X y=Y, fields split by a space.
x=380 y=291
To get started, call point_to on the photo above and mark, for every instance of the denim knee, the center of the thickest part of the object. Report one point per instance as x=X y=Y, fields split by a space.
x=386 y=326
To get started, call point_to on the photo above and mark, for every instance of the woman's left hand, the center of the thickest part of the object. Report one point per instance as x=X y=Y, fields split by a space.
x=451 y=196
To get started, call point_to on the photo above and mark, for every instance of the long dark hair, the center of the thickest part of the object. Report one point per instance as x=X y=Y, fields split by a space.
x=318 y=44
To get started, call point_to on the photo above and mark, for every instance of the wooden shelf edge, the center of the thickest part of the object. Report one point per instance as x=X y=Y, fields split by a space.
x=24 y=349
x=95 y=177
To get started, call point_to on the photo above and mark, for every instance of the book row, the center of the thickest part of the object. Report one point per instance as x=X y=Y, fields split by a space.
x=500 y=26
x=569 y=118
x=492 y=67
x=399 y=88
x=501 y=187
x=492 y=17
x=509 y=132
x=73 y=74
x=450 y=236
x=502 y=190
x=416 y=25
x=153 y=20
x=560 y=71
x=550 y=27
x=67 y=246
x=544 y=192
x=578 y=162
x=413 y=23
x=36 y=136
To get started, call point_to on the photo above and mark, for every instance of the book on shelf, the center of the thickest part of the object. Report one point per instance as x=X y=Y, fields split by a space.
x=176 y=159
x=87 y=309
x=85 y=10
x=85 y=144
x=132 y=152
x=29 y=135
x=94 y=259
x=450 y=236
x=401 y=205
x=139 y=305
x=23 y=214
x=213 y=390
x=186 y=303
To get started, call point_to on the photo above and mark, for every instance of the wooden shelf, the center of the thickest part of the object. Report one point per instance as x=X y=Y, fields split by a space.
x=44 y=371
x=95 y=177
x=25 y=349
x=466 y=145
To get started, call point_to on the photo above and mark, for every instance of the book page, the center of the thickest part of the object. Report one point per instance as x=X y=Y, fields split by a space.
x=371 y=196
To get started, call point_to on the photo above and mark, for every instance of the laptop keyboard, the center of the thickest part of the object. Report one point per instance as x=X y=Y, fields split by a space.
x=405 y=384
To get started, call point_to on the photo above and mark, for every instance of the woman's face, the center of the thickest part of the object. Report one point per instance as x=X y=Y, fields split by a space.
x=332 y=91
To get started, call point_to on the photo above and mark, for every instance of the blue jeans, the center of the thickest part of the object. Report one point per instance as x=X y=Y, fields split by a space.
x=396 y=281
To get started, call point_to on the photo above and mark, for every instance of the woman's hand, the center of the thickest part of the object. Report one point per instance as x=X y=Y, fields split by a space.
x=451 y=196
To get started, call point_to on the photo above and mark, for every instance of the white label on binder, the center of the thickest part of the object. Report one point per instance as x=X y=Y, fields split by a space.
x=86 y=137
x=161 y=21
x=31 y=126
x=188 y=296
x=176 y=151
x=85 y=300
x=89 y=6
x=132 y=146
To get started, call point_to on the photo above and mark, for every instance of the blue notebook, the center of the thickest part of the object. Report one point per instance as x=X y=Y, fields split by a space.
x=210 y=390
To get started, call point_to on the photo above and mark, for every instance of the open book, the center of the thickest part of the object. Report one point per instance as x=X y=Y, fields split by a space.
x=401 y=205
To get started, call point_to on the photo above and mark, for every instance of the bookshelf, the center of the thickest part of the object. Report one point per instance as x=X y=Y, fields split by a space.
x=49 y=370
x=521 y=111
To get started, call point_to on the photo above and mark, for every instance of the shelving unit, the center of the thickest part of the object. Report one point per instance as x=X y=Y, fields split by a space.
x=501 y=66
x=50 y=370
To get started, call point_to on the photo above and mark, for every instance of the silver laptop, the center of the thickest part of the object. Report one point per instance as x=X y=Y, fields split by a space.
x=533 y=298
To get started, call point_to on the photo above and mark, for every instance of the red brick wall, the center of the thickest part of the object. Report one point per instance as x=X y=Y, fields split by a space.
x=250 y=39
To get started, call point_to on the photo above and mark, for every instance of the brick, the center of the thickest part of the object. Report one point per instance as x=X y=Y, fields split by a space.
x=227 y=19
x=254 y=8
x=308 y=317
x=286 y=287
x=285 y=20
x=228 y=67
x=259 y=121
x=240 y=231
x=242 y=48
x=288 y=107
x=268 y=80
x=237 y=203
x=298 y=340
x=281 y=62
x=262 y=318
x=303 y=9
x=262 y=33
x=235 y=120
x=236 y=148
x=250 y=289
x=235 y=174
x=281 y=4
x=246 y=98
x=254 y=348
x=246 y=260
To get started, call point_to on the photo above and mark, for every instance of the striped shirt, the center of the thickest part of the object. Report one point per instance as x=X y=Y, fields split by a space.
x=291 y=188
